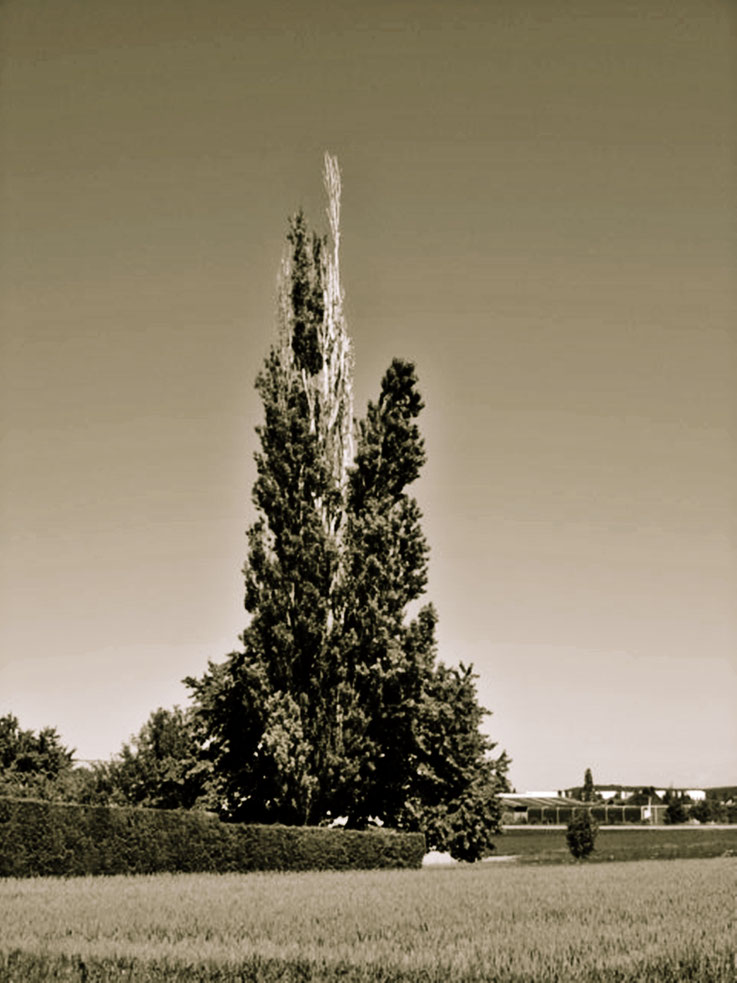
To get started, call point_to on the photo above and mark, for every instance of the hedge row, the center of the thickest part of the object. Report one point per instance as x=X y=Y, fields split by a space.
x=43 y=838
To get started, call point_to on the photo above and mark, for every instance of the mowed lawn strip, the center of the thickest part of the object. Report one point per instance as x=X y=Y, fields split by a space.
x=623 y=843
x=606 y=922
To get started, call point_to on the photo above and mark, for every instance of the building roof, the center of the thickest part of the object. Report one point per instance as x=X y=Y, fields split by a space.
x=515 y=801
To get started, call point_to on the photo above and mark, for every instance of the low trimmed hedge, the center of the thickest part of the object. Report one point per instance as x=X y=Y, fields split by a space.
x=43 y=838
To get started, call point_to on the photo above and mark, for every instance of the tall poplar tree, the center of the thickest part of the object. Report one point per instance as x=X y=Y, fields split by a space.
x=385 y=569
x=269 y=709
x=336 y=704
x=588 y=792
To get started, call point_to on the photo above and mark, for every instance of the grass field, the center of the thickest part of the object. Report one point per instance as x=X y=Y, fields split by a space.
x=548 y=845
x=604 y=923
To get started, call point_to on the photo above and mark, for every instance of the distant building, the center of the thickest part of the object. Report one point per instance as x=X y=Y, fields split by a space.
x=613 y=804
x=623 y=793
x=531 y=807
x=607 y=793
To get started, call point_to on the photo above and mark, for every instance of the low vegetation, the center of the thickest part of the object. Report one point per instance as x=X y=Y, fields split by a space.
x=614 y=922
x=581 y=833
x=624 y=843
x=38 y=838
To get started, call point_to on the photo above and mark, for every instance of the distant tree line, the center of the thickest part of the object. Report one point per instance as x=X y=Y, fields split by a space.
x=159 y=768
x=720 y=804
x=163 y=767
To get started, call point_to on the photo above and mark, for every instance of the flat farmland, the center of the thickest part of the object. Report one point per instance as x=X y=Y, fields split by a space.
x=600 y=923
x=541 y=844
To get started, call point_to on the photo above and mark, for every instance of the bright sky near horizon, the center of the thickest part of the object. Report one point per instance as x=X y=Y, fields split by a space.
x=539 y=210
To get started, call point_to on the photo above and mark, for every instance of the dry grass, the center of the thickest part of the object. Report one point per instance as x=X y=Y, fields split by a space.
x=636 y=921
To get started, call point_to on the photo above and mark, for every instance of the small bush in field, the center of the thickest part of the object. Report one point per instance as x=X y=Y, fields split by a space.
x=581 y=834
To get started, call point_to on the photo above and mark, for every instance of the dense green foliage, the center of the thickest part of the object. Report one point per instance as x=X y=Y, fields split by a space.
x=588 y=792
x=40 y=766
x=42 y=838
x=23 y=752
x=32 y=763
x=161 y=768
x=269 y=711
x=336 y=704
x=581 y=834
x=410 y=725
x=384 y=664
x=711 y=810
x=676 y=811
x=611 y=923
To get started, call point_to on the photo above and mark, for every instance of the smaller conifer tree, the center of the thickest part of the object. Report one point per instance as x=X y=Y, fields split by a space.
x=588 y=793
x=581 y=834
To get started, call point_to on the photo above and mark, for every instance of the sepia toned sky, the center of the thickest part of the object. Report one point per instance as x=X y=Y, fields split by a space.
x=539 y=210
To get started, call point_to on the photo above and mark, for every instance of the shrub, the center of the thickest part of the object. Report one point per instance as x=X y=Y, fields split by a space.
x=43 y=838
x=676 y=812
x=581 y=834
x=709 y=811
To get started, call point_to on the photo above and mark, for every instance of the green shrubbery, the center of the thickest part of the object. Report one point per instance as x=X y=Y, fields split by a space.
x=44 y=838
x=581 y=834
x=676 y=812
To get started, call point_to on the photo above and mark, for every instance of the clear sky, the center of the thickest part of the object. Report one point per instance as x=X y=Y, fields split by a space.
x=539 y=210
